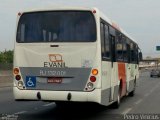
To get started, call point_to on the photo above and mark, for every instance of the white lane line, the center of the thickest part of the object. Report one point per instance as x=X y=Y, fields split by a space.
x=21 y=112
x=153 y=89
x=126 y=111
x=139 y=101
x=46 y=105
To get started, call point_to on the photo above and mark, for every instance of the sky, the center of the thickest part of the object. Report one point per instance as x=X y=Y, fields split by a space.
x=139 y=18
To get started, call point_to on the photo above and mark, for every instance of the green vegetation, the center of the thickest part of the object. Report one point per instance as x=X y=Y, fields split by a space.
x=6 y=56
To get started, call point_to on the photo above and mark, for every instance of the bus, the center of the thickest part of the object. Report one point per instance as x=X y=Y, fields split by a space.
x=73 y=55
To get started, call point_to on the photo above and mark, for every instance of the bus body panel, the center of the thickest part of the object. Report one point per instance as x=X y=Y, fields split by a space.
x=111 y=78
x=73 y=64
x=94 y=96
x=74 y=69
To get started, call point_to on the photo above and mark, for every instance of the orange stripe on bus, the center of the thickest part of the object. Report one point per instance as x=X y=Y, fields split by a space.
x=122 y=77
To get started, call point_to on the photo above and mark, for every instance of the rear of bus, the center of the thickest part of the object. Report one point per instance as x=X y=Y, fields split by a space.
x=57 y=56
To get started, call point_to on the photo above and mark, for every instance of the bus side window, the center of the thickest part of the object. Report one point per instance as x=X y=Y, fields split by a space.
x=137 y=58
x=128 y=53
x=119 y=46
x=113 y=51
x=102 y=41
x=125 y=51
x=133 y=53
x=112 y=43
x=107 y=43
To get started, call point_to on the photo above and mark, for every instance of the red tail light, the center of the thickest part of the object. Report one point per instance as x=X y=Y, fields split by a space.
x=92 y=78
x=19 y=14
x=94 y=11
x=18 y=77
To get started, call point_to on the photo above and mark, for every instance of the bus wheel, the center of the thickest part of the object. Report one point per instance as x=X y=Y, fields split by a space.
x=117 y=103
x=132 y=93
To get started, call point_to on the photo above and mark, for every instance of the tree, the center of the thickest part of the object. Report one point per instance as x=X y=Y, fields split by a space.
x=6 y=56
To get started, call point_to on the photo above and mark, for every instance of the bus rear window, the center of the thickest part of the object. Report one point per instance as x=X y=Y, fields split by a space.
x=57 y=26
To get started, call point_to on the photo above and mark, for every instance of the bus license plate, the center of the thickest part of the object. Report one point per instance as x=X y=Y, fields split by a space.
x=54 y=80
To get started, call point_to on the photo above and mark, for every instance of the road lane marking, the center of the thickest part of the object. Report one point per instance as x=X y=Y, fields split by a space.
x=46 y=105
x=152 y=90
x=126 y=111
x=21 y=112
x=139 y=101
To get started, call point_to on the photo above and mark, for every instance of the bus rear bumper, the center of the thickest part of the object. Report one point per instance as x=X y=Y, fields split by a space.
x=75 y=96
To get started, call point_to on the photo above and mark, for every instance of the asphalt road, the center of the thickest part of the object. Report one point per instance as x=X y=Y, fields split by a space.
x=145 y=101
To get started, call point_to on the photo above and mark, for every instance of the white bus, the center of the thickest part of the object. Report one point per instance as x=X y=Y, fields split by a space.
x=73 y=54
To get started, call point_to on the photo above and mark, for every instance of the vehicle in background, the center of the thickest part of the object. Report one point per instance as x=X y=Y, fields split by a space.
x=155 y=73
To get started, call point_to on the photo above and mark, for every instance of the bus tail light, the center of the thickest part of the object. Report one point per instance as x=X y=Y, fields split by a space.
x=16 y=71
x=93 y=79
x=18 y=77
x=20 y=84
x=94 y=11
x=19 y=14
x=90 y=85
x=95 y=72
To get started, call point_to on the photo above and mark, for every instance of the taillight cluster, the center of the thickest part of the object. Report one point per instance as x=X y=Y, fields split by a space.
x=93 y=77
x=90 y=85
x=17 y=76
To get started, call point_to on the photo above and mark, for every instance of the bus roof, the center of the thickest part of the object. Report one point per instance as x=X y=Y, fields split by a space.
x=58 y=8
x=115 y=25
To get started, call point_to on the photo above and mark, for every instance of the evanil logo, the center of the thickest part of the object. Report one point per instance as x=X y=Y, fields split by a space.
x=55 y=60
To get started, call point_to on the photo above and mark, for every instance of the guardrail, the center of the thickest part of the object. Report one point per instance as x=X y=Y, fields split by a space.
x=6 y=66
